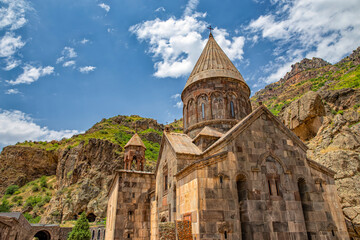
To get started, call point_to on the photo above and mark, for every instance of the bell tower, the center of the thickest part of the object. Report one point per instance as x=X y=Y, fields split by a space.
x=215 y=94
x=134 y=156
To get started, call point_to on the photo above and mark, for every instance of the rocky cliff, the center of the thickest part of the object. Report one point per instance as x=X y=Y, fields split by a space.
x=22 y=164
x=84 y=165
x=320 y=102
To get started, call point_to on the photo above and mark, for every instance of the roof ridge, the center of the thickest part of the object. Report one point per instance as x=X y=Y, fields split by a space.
x=247 y=120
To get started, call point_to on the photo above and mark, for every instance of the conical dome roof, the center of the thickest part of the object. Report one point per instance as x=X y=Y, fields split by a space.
x=213 y=62
x=135 y=141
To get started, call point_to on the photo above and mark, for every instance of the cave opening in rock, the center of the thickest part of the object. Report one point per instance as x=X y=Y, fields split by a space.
x=91 y=217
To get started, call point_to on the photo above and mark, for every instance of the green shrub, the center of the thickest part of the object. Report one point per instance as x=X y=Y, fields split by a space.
x=46 y=199
x=341 y=112
x=31 y=219
x=333 y=112
x=35 y=188
x=356 y=106
x=5 y=206
x=11 y=189
x=43 y=182
x=17 y=198
x=33 y=201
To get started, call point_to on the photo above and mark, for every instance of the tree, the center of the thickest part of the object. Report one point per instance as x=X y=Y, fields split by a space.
x=81 y=231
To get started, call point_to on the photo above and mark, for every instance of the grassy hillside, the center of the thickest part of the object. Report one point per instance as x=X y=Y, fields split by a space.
x=31 y=199
x=117 y=130
x=276 y=96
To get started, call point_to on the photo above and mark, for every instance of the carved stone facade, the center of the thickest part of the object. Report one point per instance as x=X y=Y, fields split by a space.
x=234 y=173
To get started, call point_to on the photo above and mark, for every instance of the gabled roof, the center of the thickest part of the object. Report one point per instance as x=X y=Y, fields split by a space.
x=249 y=119
x=135 y=141
x=182 y=143
x=213 y=62
x=208 y=131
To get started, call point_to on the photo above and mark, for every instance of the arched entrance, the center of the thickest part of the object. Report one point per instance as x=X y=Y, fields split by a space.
x=42 y=235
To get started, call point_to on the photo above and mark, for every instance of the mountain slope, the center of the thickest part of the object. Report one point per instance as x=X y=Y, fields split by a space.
x=83 y=164
x=320 y=102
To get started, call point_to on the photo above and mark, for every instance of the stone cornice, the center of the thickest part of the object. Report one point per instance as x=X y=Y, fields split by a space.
x=201 y=164
x=317 y=166
x=209 y=122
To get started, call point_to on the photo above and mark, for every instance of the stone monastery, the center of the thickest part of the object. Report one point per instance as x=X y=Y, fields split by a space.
x=236 y=172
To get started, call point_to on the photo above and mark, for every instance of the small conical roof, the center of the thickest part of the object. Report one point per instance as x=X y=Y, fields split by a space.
x=135 y=141
x=213 y=62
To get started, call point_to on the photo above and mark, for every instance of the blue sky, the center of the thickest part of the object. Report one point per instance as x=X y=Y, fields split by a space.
x=65 y=65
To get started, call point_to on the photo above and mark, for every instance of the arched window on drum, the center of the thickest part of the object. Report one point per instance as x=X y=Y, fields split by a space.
x=232 y=109
x=203 y=111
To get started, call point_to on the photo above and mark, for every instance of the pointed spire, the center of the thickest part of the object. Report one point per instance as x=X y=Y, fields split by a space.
x=213 y=62
x=135 y=141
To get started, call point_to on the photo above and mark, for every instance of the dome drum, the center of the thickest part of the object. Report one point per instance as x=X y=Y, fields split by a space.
x=214 y=99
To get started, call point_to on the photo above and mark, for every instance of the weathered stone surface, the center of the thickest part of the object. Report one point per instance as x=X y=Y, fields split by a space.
x=19 y=165
x=337 y=146
x=83 y=176
x=304 y=116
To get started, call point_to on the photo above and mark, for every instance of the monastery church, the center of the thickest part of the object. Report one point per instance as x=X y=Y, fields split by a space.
x=235 y=173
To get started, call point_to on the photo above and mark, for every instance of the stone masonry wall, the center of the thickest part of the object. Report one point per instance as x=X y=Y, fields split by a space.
x=133 y=205
x=215 y=96
x=167 y=231
x=184 y=230
x=250 y=189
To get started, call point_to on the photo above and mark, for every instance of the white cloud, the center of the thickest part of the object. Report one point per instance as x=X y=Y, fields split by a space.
x=234 y=48
x=84 y=41
x=190 y=7
x=12 y=91
x=323 y=28
x=16 y=126
x=176 y=44
x=12 y=14
x=87 y=69
x=104 y=6
x=328 y=29
x=178 y=104
x=176 y=96
x=160 y=9
x=32 y=74
x=69 y=52
x=9 y=44
x=60 y=59
x=69 y=63
x=11 y=63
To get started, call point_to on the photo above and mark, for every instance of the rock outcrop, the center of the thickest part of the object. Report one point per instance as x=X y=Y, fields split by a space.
x=84 y=174
x=304 y=116
x=19 y=165
x=337 y=146
x=304 y=65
